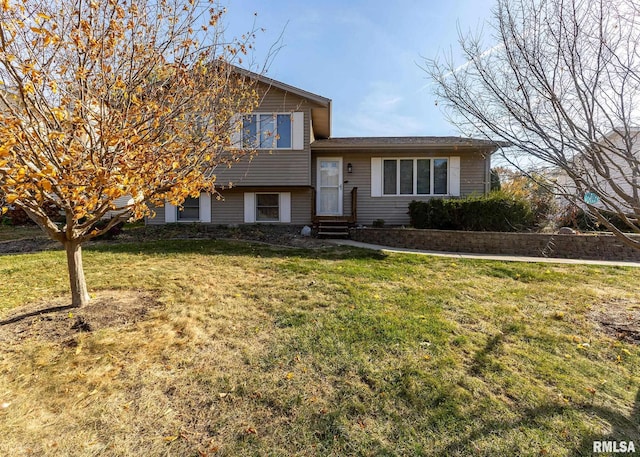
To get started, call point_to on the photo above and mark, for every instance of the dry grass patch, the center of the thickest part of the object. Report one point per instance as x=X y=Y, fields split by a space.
x=252 y=350
x=144 y=388
x=166 y=370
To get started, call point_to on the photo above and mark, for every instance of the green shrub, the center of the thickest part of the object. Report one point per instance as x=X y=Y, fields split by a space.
x=496 y=212
x=436 y=213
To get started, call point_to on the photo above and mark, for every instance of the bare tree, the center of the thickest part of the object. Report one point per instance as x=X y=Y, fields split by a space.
x=114 y=107
x=560 y=81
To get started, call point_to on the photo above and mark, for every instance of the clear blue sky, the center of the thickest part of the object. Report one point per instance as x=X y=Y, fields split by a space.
x=362 y=54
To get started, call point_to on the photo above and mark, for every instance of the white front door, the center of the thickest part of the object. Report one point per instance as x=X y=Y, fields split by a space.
x=329 y=200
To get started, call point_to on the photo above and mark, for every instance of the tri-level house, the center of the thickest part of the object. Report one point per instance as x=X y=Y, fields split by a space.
x=301 y=175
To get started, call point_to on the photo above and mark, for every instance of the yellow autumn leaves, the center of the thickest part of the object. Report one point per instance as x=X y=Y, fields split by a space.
x=59 y=114
x=95 y=113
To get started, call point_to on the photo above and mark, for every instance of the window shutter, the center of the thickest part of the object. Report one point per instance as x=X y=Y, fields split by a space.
x=170 y=213
x=297 y=131
x=454 y=176
x=285 y=207
x=376 y=177
x=205 y=207
x=249 y=207
x=235 y=124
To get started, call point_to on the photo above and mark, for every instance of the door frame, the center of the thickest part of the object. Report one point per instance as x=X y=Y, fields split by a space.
x=340 y=186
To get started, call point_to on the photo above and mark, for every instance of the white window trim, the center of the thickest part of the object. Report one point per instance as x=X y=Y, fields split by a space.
x=285 y=207
x=275 y=141
x=205 y=207
x=255 y=207
x=170 y=213
x=340 y=211
x=204 y=213
x=251 y=208
x=415 y=176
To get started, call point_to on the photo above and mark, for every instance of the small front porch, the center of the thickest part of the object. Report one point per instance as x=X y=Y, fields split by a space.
x=335 y=226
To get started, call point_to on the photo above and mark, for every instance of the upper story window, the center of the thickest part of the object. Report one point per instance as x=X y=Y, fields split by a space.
x=415 y=176
x=267 y=131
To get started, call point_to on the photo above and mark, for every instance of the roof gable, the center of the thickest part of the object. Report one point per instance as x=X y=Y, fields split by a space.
x=320 y=106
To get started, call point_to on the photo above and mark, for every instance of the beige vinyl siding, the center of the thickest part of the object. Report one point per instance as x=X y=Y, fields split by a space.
x=230 y=211
x=391 y=208
x=120 y=201
x=279 y=167
x=275 y=168
x=474 y=177
x=159 y=219
x=301 y=207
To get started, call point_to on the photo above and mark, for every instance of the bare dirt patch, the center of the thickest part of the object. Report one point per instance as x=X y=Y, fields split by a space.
x=55 y=320
x=620 y=319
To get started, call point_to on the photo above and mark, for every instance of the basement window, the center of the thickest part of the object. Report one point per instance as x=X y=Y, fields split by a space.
x=190 y=210
x=267 y=207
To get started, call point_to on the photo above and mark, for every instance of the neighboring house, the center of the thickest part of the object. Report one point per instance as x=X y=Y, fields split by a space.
x=615 y=186
x=301 y=174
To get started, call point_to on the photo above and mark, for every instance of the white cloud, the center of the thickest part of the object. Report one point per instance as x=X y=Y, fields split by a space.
x=392 y=124
x=381 y=112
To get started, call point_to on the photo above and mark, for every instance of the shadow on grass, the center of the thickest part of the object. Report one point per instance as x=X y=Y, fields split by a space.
x=483 y=359
x=624 y=428
x=528 y=416
x=233 y=247
x=53 y=309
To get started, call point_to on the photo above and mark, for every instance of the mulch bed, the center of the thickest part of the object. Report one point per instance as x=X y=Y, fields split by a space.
x=27 y=245
x=275 y=235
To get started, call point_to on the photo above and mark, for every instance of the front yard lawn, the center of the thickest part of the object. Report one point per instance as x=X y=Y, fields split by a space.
x=204 y=347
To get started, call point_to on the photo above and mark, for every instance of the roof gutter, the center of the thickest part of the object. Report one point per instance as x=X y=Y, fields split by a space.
x=387 y=147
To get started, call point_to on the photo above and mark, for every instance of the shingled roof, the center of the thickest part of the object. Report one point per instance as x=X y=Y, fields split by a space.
x=406 y=142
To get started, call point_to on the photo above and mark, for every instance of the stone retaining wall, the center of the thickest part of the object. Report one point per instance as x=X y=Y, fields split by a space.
x=600 y=246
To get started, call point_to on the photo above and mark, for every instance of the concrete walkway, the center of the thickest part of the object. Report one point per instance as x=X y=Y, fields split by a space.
x=503 y=258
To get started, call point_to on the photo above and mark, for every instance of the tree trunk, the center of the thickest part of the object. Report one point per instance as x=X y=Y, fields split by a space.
x=79 y=293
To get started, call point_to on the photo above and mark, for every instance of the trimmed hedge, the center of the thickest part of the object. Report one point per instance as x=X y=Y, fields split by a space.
x=496 y=212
